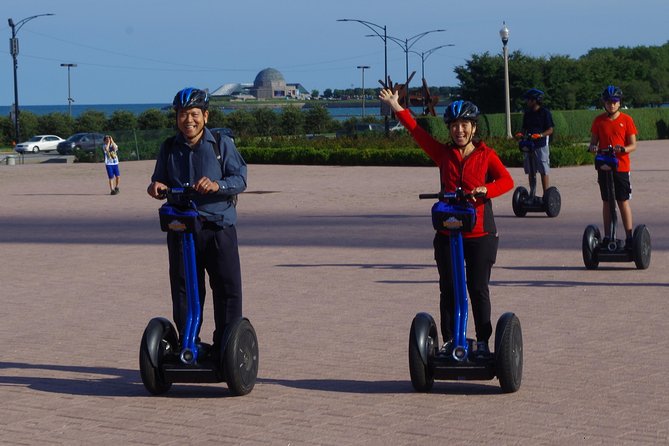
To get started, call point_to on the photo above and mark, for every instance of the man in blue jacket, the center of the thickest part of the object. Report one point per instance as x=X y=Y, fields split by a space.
x=190 y=159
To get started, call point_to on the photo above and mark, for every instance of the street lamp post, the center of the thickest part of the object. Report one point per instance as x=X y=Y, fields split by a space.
x=406 y=45
x=425 y=54
x=14 y=51
x=363 y=68
x=423 y=57
x=376 y=29
x=504 y=34
x=69 y=94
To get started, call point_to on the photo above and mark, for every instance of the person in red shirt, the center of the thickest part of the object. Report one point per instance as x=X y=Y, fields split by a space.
x=468 y=163
x=616 y=129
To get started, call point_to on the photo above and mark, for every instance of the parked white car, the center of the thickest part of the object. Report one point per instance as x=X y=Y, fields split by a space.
x=39 y=143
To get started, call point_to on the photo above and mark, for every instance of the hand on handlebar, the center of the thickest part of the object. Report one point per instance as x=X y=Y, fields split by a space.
x=592 y=148
x=157 y=190
x=519 y=135
x=206 y=186
x=619 y=149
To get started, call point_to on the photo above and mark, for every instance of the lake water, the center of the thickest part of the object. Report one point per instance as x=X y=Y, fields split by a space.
x=340 y=113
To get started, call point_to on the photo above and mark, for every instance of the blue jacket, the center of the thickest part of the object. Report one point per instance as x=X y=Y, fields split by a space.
x=179 y=166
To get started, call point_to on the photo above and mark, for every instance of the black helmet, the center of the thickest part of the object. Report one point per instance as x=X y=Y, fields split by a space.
x=191 y=98
x=612 y=93
x=461 y=110
x=534 y=93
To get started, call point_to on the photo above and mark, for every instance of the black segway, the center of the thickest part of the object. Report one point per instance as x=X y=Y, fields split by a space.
x=455 y=213
x=163 y=357
x=595 y=249
x=524 y=201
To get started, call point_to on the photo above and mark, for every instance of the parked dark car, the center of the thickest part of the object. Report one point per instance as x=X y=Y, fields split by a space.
x=87 y=142
x=224 y=131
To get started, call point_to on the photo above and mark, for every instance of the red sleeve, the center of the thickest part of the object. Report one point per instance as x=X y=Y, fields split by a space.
x=431 y=146
x=501 y=181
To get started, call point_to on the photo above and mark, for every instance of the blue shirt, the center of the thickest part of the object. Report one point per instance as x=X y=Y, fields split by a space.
x=182 y=165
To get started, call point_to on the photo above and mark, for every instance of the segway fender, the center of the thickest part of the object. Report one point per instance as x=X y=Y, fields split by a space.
x=423 y=324
x=158 y=329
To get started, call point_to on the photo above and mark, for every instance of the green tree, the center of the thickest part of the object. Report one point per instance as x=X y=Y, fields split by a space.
x=327 y=93
x=60 y=124
x=242 y=123
x=267 y=121
x=314 y=93
x=91 y=121
x=122 y=120
x=291 y=121
x=29 y=125
x=216 y=118
x=153 y=119
x=317 y=119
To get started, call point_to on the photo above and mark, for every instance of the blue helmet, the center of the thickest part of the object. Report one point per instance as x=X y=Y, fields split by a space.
x=534 y=93
x=461 y=110
x=191 y=98
x=612 y=93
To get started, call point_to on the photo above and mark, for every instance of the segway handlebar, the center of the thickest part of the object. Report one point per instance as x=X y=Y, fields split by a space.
x=457 y=195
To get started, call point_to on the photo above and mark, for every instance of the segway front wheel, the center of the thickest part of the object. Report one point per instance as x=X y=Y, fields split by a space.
x=423 y=342
x=552 y=202
x=591 y=239
x=509 y=352
x=520 y=195
x=641 y=248
x=158 y=340
x=240 y=358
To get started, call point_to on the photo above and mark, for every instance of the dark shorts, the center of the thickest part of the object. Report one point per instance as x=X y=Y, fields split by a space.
x=112 y=171
x=621 y=183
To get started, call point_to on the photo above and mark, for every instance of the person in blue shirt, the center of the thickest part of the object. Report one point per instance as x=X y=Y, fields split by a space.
x=538 y=122
x=190 y=159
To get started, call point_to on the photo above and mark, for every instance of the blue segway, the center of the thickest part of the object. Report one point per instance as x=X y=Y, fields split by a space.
x=455 y=213
x=595 y=248
x=163 y=357
x=524 y=201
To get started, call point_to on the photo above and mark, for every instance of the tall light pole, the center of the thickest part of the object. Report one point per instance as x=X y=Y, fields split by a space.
x=406 y=45
x=504 y=34
x=425 y=54
x=363 y=68
x=14 y=51
x=423 y=57
x=376 y=29
x=69 y=94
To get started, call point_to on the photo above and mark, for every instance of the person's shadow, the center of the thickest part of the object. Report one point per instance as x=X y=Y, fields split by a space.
x=115 y=382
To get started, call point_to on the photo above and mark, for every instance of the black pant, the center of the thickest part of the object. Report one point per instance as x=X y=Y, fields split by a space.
x=480 y=255
x=216 y=251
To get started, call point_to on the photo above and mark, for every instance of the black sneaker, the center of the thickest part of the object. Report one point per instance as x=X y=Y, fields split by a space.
x=482 y=350
x=117 y=190
x=113 y=192
x=629 y=243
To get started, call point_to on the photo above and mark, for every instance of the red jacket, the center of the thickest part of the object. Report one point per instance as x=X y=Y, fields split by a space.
x=481 y=168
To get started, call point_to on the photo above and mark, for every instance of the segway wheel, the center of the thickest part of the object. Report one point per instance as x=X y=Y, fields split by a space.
x=158 y=340
x=423 y=341
x=240 y=358
x=520 y=195
x=641 y=248
x=509 y=352
x=591 y=238
x=552 y=202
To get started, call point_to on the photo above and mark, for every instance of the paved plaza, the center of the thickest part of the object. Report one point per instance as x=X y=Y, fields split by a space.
x=336 y=262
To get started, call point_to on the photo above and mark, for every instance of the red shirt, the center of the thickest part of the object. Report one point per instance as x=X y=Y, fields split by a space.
x=614 y=132
x=481 y=168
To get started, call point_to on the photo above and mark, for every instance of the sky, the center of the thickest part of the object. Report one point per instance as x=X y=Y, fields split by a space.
x=144 y=51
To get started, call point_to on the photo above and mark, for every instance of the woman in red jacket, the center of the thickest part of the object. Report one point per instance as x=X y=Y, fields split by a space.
x=470 y=164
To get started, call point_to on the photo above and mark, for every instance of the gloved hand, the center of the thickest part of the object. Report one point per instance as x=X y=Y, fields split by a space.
x=537 y=136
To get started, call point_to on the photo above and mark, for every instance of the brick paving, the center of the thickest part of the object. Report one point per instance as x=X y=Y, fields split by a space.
x=336 y=261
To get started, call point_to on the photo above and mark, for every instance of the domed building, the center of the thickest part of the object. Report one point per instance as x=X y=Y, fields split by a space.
x=268 y=84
